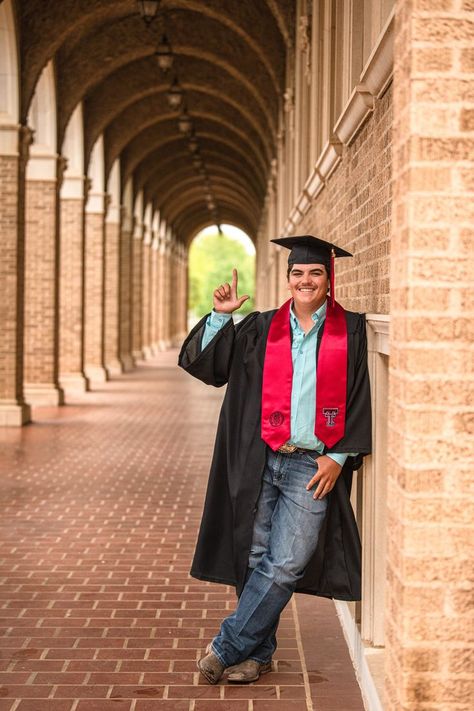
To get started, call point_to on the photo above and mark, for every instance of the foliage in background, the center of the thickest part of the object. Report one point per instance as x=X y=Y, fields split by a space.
x=211 y=259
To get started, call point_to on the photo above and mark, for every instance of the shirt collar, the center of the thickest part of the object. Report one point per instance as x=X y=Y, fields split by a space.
x=317 y=316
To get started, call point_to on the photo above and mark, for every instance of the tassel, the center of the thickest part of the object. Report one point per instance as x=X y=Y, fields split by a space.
x=332 y=278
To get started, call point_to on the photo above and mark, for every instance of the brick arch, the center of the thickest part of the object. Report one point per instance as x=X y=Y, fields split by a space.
x=135 y=148
x=223 y=192
x=150 y=121
x=189 y=224
x=175 y=166
x=49 y=25
x=158 y=188
x=98 y=56
x=212 y=146
x=183 y=205
x=138 y=80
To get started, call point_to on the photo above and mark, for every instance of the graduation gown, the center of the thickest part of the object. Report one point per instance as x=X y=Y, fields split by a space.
x=235 y=357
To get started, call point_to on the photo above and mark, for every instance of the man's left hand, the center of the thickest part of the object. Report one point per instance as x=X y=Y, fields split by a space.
x=325 y=477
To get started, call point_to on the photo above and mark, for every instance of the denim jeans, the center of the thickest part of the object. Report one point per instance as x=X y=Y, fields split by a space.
x=285 y=536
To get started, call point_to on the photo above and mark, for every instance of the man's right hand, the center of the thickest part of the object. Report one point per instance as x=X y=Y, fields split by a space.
x=225 y=296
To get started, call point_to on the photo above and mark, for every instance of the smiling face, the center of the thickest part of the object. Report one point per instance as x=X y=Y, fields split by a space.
x=308 y=284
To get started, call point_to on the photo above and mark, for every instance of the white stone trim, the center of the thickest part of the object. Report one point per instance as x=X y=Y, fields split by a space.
x=9 y=139
x=295 y=216
x=72 y=187
x=41 y=166
x=96 y=203
x=356 y=111
x=113 y=215
x=358 y=652
x=314 y=184
x=379 y=325
x=329 y=159
x=304 y=203
x=378 y=70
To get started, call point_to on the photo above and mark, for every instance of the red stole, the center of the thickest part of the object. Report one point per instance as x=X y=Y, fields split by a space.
x=331 y=379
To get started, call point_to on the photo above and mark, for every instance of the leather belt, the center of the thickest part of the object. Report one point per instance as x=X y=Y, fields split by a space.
x=288 y=448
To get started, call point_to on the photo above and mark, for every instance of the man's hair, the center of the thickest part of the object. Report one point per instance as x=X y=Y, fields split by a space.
x=290 y=267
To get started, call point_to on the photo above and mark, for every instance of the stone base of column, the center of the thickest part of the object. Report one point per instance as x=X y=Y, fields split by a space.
x=163 y=345
x=96 y=373
x=128 y=363
x=114 y=367
x=147 y=352
x=138 y=355
x=74 y=383
x=14 y=415
x=155 y=348
x=43 y=394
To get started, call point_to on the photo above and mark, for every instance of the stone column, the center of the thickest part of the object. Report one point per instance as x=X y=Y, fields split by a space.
x=431 y=393
x=137 y=295
x=125 y=292
x=41 y=366
x=71 y=293
x=94 y=324
x=14 y=143
x=112 y=290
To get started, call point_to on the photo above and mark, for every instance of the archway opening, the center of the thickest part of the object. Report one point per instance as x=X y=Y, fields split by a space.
x=212 y=256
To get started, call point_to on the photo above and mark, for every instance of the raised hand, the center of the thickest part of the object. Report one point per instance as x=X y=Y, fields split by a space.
x=225 y=297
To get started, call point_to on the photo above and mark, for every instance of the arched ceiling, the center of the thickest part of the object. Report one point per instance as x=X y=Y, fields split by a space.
x=230 y=59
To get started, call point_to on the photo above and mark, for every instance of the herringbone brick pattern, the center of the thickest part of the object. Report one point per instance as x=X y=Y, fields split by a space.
x=101 y=501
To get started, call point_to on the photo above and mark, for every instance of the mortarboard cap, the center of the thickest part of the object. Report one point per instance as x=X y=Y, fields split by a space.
x=307 y=249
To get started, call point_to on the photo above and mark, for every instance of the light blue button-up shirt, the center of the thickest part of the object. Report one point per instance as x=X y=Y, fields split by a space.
x=303 y=390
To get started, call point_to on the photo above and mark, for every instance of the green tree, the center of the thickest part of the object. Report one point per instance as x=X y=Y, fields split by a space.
x=211 y=259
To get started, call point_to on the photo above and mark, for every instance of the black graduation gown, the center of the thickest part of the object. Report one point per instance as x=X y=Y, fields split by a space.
x=235 y=356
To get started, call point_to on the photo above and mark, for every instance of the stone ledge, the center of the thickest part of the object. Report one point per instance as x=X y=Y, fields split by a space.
x=43 y=394
x=14 y=415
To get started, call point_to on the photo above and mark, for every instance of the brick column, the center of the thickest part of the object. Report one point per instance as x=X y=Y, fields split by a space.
x=125 y=291
x=137 y=294
x=41 y=365
x=112 y=287
x=155 y=271
x=13 y=152
x=167 y=294
x=161 y=292
x=71 y=292
x=429 y=597
x=94 y=328
x=146 y=292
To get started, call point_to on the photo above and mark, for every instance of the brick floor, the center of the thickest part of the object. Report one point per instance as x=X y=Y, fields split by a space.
x=100 y=504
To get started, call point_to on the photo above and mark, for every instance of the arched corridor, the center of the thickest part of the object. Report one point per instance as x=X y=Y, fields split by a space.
x=126 y=128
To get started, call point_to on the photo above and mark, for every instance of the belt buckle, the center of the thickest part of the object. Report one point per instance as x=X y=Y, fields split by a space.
x=287 y=448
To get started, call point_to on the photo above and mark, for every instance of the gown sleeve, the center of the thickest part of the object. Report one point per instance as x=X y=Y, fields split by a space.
x=212 y=364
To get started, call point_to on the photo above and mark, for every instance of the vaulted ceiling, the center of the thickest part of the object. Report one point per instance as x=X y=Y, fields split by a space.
x=229 y=57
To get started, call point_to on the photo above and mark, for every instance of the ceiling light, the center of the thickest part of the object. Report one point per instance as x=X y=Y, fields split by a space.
x=175 y=95
x=164 y=55
x=148 y=10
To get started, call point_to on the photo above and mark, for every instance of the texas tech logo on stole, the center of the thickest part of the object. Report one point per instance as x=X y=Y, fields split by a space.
x=330 y=415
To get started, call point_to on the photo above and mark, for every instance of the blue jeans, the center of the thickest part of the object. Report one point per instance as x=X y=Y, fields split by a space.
x=285 y=536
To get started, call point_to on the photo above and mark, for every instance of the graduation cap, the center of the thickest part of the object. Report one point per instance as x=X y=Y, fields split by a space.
x=306 y=249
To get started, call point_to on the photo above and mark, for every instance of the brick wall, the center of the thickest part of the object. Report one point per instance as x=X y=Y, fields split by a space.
x=94 y=297
x=112 y=271
x=354 y=211
x=11 y=312
x=429 y=606
x=41 y=284
x=71 y=298
x=137 y=286
x=125 y=296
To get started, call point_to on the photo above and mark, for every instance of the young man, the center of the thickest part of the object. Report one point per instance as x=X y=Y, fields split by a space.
x=294 y=424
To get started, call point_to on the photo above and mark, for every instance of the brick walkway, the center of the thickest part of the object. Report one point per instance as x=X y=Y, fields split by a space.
x=100 y=504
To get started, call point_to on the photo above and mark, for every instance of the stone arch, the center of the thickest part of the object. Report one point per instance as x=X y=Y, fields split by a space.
x=42 y=115
x=9 y=74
